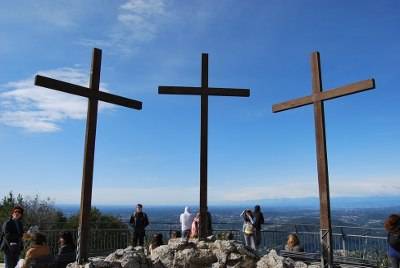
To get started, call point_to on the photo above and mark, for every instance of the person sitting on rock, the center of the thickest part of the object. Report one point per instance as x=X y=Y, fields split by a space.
x=156 y=241
x=293 y=244
x=175 y=234
x=67 y=252
x=38 y=255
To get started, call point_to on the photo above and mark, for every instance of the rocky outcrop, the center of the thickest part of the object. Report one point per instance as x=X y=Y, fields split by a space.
x=193 y=254
x=122 y=258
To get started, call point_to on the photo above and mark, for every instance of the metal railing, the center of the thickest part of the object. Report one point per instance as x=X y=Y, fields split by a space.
x=364 y=243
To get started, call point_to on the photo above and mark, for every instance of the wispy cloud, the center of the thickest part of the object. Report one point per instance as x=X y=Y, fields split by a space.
x=342 y=188
x=137 y=22
x=169 y=195
x=37 y=109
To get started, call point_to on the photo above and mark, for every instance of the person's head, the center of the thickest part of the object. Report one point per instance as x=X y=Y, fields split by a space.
x=17 y=212
x=392 y=223
x=38 y=238
x=247 y=215
x=187 y=209
x=175 y=234
x=139 y=208
x=66 y=238
x=293 y=240
x=157 y=239
x=257 y=208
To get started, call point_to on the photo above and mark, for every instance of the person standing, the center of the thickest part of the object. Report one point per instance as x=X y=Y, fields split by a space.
x=11 y=240
x=258 y=222
x=248 y=228
x=139 y=221
x=194 y=232
x=392 y=226
x=186 y=219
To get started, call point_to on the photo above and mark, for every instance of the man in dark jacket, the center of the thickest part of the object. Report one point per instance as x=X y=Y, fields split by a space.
x=258 y=221
x=11 y=238
x=139 y=221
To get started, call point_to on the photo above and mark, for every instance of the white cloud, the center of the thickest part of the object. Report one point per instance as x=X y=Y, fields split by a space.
x=138 y=21
x=41 y=110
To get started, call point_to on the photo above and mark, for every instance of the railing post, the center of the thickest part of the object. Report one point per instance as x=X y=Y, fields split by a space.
x=344 y=238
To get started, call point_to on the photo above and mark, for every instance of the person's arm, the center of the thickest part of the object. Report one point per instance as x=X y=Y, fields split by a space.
x=146 y=220
x=261 y=218
x=250 y=218
x=241 y=214
x=28 y=259
x=132 y=219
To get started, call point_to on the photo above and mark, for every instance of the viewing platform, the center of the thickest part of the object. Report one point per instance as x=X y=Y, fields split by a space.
x=360 y=244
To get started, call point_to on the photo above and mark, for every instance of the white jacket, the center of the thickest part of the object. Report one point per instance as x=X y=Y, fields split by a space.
x=186 y=219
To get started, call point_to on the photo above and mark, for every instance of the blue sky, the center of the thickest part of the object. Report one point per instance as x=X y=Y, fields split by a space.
x=152 y=156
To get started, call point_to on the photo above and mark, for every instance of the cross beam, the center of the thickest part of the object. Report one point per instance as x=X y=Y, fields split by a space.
x=317 y=99
x=204 y=91
x=94 y=95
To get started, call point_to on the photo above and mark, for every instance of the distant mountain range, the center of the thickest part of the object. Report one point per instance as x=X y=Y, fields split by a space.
x=336 y=202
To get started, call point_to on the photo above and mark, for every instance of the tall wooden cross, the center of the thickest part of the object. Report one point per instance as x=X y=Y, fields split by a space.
x=317 y=98
x=94 y=95
x=204 y=91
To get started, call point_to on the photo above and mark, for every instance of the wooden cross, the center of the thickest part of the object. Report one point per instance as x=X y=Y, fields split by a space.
x=317 y=98
x=94 y=95
x=204 y=91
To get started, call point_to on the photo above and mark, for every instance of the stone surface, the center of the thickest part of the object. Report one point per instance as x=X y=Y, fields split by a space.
x=194 y=254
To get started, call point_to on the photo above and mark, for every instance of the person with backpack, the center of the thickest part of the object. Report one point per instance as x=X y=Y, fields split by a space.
x=248 y=228
x=139 y=222
x=11 y=239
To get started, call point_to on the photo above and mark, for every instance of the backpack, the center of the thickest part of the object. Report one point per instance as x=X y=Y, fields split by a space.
x=248 y=228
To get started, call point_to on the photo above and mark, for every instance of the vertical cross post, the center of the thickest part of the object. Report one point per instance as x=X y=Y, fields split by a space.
x=204 y=91
x=322 y=165
x=93 y=94
x=317 y=99
x=88 y=161
x=203 y=147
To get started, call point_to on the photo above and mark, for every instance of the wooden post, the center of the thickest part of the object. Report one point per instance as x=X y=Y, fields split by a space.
x=317 y=99
x=94 y=95
x=204 y=91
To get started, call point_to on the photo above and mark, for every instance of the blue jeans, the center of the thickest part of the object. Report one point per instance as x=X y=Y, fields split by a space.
x=10 y=259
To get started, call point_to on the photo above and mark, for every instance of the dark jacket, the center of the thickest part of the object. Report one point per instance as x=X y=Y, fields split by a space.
x=258 y=220
x=139 y=221
x=66 y=254
x=394 y=240
x=12 y=232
